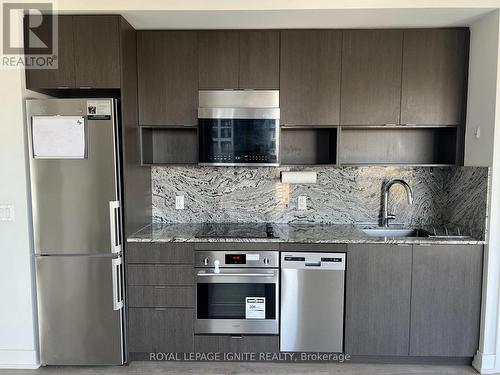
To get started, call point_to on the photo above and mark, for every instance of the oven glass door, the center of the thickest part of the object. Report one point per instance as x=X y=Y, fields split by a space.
x=228 y=301
x=238 y=141
x=221 y=301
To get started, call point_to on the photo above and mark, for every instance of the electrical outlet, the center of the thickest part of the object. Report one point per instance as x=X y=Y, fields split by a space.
x=179 y=202
x=6 y=212
x=302 y=202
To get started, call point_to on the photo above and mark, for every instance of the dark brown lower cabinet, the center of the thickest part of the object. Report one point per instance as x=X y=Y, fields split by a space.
x=160 y=330
x=160 y=296
x=446 y=300
x=377 y=317
x=236 y=344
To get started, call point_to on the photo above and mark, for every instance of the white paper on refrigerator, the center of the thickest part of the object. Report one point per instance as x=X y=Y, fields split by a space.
x=58 y=137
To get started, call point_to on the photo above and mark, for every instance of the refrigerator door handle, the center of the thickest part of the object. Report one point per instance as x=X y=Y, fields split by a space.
x=116 y=264
x=116 y=247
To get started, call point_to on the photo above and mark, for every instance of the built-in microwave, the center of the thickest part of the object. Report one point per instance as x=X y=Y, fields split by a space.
x=238 y=127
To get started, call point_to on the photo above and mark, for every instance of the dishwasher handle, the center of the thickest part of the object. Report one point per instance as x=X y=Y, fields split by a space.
x=313 y=264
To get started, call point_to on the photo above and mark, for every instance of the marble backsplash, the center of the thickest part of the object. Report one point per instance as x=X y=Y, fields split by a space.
x=451 y=196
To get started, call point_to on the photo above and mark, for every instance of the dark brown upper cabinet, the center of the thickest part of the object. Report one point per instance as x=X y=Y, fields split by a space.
x=218 y=59
x=167 y=77
x=97 y=52
x=88 y=53
x=434 y=76
x=259 y=60
x=64 y=75
x=238 y=59
x=371 y=77
x=310 y=77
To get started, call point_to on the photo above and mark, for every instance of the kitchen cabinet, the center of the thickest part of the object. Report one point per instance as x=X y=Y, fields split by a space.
x=160 y=330
x=89 y=55
x=371 y=77
x=170 y=253
x=310 y=77
x=64 y=75
x=446 y=300
x=167 y=64
x=238 y=59
x=160 y=274
x=259 y=60
x=161 y=295
x=97 y=51
x=218 y=60
x=434 y=75
x=378 y=282
x=236 y=344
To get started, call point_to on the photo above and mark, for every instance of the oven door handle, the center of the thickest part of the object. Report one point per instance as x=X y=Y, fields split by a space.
x=237 y=274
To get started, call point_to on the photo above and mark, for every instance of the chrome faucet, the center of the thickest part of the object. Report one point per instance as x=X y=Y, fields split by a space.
x=385 y=198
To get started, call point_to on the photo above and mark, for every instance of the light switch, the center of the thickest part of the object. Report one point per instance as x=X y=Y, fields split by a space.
x=6 y=212
x=179 y=202
x=302 y=202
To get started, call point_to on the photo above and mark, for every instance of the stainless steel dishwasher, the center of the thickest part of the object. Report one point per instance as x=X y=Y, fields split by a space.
x=312 y=302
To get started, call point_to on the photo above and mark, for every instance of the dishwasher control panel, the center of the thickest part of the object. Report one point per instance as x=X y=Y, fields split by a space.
x=332 y=261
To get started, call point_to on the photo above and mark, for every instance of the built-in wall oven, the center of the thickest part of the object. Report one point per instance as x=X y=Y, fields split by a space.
x=238 y=127
x=237 y=292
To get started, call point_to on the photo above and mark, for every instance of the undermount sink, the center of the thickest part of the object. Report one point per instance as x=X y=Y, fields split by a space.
x=395 y=232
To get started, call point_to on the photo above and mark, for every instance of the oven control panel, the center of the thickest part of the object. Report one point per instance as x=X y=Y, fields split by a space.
x=238 y=258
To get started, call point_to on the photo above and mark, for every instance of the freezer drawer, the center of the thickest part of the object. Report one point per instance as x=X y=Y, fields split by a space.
x=312 y=302
x=80 y=310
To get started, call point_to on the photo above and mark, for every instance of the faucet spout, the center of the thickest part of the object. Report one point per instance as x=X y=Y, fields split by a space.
x=385 y=198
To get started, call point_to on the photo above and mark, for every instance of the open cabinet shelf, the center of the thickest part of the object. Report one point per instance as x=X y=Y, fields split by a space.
x=169 y=145
x=308 y=146
x=410 y=146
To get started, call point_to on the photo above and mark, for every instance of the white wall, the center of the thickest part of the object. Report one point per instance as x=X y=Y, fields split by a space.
x=483 y=113
x=17 y=322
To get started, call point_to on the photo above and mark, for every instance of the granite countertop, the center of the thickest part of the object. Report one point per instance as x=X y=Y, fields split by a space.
x=294 y=233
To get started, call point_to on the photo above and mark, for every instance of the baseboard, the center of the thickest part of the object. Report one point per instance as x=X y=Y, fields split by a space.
x=484 y=363
x=19 y=359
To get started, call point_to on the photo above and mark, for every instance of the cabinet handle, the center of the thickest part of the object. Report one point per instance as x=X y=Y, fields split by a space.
x=85 y=87
x=236 y=337
x=62 y=87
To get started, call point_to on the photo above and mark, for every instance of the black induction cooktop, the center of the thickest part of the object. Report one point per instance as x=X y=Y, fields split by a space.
x=236 y=230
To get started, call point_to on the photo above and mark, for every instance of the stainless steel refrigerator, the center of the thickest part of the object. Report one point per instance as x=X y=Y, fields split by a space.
x=75 y=186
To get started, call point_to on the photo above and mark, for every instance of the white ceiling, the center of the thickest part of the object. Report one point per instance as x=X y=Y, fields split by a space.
x=307 y=18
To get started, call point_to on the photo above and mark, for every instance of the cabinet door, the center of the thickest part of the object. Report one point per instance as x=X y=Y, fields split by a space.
x=236 y=344
x=378 y=280
x=97 y=51
x=446 y=300
x=371 y=77
x=160 y=330
x=64 y=75
x=310 y=77
x=259 y=60
x=218 y=59
x=434 y=76
x=167 y=77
